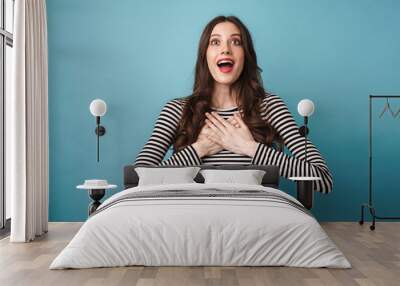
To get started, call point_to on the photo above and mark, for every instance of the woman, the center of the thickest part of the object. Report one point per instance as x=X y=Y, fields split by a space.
x=230 y=118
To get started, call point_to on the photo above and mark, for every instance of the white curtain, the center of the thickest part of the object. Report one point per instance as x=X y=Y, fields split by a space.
x=27 y=123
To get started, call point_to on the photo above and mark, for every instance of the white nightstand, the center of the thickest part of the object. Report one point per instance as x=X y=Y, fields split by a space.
x=304 y=189
x=96 y=190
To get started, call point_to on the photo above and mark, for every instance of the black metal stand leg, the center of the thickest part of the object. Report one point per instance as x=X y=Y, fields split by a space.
x=362 y=215
x=96 y=195
x=374 y=216
x=305 y=193
x=93 y=207
x=372 y=210
x=372 y=213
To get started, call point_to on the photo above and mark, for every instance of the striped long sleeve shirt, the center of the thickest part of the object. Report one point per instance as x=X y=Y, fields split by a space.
x=274 y=111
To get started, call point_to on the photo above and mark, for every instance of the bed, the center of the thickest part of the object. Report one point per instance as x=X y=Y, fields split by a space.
x=198 y=224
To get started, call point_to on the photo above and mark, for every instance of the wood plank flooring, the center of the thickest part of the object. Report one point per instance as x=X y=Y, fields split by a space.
x=375 y=257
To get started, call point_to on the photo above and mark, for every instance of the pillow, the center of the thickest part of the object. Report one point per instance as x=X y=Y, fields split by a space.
x=249 y=177
x=162 y=176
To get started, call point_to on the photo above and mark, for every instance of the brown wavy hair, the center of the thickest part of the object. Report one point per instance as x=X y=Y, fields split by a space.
x=248 y=86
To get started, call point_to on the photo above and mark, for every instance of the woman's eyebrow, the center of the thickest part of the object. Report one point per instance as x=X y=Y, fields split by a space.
x=218 y=35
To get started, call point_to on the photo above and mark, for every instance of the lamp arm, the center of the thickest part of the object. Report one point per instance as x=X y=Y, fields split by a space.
x=305 y=146
x=305 y=136
x=98 y=136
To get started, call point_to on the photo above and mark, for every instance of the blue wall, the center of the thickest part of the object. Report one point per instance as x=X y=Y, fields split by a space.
x=137 y=55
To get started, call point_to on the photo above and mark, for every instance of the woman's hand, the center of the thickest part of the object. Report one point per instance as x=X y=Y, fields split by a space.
x=233 y=121
x=233 y=134
x=205 y=146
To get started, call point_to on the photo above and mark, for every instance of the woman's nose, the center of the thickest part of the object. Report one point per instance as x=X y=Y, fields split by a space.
x=226 y=49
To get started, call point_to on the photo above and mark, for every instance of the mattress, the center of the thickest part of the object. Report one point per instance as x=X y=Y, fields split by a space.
x=201 y=225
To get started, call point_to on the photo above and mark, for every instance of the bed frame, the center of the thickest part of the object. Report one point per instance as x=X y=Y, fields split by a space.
x=270 y=179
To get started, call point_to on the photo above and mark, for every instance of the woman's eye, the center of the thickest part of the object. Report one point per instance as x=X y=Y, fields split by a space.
x=237 y=42
x=214 y=42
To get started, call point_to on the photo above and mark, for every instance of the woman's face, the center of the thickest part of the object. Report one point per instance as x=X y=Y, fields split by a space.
x=225 y=54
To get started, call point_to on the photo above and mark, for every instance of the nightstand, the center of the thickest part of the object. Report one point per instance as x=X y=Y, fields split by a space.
x=304 y=189
x=96 y=190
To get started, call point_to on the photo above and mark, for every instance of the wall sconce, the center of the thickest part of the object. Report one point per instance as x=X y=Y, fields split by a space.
x=305 y=183
x=305 y=108
x=98 y=108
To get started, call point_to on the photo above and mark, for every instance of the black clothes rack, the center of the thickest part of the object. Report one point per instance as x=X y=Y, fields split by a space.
x=370 y=205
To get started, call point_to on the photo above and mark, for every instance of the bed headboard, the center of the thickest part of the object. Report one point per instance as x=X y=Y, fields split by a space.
x=270 y=179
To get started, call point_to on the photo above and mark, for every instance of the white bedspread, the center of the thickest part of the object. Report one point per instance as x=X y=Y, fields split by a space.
x=186 y=230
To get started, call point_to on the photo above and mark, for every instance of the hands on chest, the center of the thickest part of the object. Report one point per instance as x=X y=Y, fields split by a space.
x=231 y=134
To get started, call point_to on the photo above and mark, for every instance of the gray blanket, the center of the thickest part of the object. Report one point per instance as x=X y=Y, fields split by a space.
x=203 y=194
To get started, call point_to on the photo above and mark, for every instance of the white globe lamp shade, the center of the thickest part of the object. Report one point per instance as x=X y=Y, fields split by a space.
x=305 y=107
x=98 y=107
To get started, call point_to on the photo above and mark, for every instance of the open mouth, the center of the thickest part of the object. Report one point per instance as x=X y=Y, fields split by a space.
x=225 y=65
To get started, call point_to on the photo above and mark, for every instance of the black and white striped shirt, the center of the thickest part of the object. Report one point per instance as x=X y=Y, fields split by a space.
x=274 y=111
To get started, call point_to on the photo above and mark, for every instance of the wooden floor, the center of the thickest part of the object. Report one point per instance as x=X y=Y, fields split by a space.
x=375 y=256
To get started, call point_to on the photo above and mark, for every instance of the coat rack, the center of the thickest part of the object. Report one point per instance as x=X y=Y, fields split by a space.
x=370 y=202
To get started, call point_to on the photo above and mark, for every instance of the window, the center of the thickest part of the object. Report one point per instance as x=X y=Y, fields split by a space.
x=6 y=57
